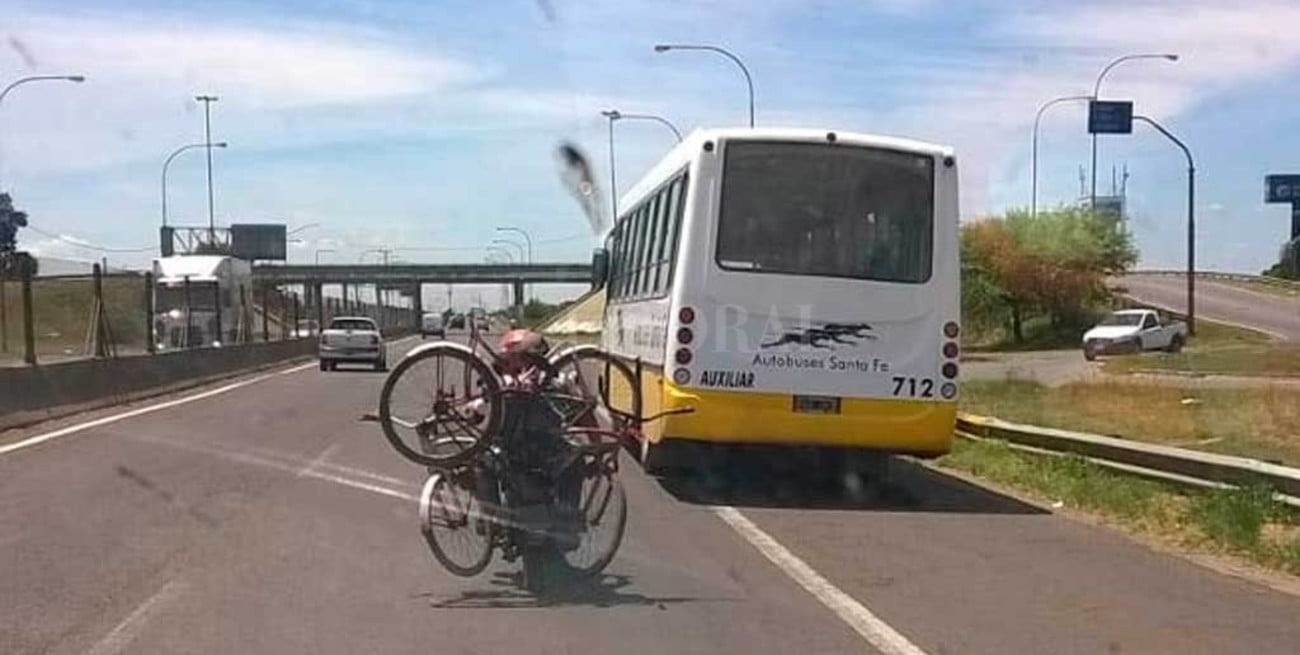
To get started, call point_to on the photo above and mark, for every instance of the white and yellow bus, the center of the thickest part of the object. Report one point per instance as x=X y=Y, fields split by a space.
x=793 y=286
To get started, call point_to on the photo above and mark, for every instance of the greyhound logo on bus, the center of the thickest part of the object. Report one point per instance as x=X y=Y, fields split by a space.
x=823 y=336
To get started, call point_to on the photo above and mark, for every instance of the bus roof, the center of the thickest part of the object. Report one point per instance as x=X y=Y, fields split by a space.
x=682 y=153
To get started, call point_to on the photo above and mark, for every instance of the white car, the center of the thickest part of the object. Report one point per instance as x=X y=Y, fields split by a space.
x=352 y=339
x=432 y=324
x=1133 y=330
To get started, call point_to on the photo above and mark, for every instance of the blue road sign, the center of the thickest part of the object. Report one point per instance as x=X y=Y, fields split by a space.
x=1110 y=117
x=1282 y=188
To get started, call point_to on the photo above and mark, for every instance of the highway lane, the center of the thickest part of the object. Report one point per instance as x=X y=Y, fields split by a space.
x=268 y=519
x=1277 y=315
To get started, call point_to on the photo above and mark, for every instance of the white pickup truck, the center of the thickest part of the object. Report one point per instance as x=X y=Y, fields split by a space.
x=1133 y=330
x=352 y=339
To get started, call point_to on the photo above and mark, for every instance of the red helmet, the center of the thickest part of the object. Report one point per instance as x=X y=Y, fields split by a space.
x=519 y=347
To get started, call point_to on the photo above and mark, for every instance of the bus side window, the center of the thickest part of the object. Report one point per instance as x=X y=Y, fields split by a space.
x=651 y=244
x=661 y=233
x=677 y=207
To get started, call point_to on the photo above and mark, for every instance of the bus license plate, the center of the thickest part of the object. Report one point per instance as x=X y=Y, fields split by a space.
x=817 y=404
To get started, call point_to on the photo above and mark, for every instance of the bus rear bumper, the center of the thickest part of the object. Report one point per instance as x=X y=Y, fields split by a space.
x=923 y=428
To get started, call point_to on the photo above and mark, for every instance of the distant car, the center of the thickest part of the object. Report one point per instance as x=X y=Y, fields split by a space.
x=456 y=322
x=1131 y=331
x=352 y=339
x=483 y=324
x=431 y=325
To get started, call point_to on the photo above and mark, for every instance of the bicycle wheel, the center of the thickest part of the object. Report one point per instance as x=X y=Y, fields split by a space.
x=441 y=406
x=455 y=525
x=607 y=385
x=602 y=506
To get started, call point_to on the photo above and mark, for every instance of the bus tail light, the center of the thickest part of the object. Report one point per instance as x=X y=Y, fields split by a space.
x=951 y=329
x=948 y=390
x=682 y=376
x=682 y=356
x=951 y=350
x=685 y=336
x=950 y=370
x=686 y=315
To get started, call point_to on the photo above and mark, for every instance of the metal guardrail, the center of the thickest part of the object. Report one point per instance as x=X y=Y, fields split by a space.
x=1151 y=460
x=1231 y=277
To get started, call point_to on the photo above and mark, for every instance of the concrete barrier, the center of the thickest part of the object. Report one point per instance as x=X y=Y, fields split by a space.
x=36 y=393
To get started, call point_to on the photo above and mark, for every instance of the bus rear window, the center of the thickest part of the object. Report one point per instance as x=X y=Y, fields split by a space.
x=830 y=210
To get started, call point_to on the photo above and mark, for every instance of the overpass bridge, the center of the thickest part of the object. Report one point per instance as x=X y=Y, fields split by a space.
x=408 y=278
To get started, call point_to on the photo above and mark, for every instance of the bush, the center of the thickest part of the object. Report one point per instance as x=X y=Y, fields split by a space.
x=1055 y=264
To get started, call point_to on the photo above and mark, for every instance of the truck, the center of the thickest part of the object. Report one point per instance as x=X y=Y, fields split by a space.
x=352 y=339
x=1133 y=331
x=197 y=300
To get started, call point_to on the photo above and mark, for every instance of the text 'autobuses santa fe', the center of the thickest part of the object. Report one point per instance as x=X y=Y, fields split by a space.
x=793 y=286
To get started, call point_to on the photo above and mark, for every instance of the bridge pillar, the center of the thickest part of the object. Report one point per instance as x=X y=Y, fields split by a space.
x=318 y=299
x=418 y=306
x=518 y=293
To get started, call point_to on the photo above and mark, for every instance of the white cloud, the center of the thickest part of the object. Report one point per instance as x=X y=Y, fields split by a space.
x=137 y=101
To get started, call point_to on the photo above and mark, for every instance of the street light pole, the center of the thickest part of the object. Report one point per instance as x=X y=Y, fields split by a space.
x=207 y=140
x=1096 y=94
x=1191 y=221
x=1033 y=159
x=39 y=78
x=749 y=81
x=612 y=115
x=527 y=239
x=168 y=162
x=522 y=253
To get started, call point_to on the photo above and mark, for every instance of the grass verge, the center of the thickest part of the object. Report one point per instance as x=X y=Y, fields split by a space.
x=1261 y=421
x=1245 y=522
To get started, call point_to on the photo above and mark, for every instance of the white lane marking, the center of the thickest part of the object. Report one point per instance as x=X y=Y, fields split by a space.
x=877 y=633
x=289 y=464
x=73 y=429
x=320 y=459
x=364 y=486
x=130 y=627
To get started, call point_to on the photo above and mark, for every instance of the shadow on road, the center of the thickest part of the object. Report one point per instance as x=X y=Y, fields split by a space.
x=745 y=481
x=508 y=593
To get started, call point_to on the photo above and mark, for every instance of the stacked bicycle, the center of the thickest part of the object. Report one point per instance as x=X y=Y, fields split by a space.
x=521 y=446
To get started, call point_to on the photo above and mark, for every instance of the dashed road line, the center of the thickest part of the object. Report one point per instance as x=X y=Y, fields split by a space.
x=126 y=632
x=877 y=633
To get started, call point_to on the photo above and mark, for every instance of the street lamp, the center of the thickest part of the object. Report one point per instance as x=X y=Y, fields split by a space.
x=1096 y=94
x=516 y=244
x=207 y=140
x=168 y=162
x=749 y=81
x=527 y=238
x=612 y=115
x=616 y=115
x=40 y=78
x=1191 y=220
x=1033 y=159
x=502 y=252
x=296 y=229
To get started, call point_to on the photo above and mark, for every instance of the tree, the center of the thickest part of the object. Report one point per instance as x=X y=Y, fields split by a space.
x=1055 y=263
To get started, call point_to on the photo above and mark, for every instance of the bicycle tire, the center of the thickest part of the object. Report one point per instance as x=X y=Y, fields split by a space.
x=430 y=503
x=490 y=422
x=604 y=360
x=611 y=507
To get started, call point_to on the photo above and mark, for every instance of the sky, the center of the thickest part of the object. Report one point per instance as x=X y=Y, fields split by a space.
x=421 y=127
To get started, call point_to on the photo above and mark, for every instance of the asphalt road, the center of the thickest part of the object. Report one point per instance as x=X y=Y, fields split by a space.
x=1277 y=315
x=265 y=518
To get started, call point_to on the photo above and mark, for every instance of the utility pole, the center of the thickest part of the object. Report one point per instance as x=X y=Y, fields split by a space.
x=207 y=146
